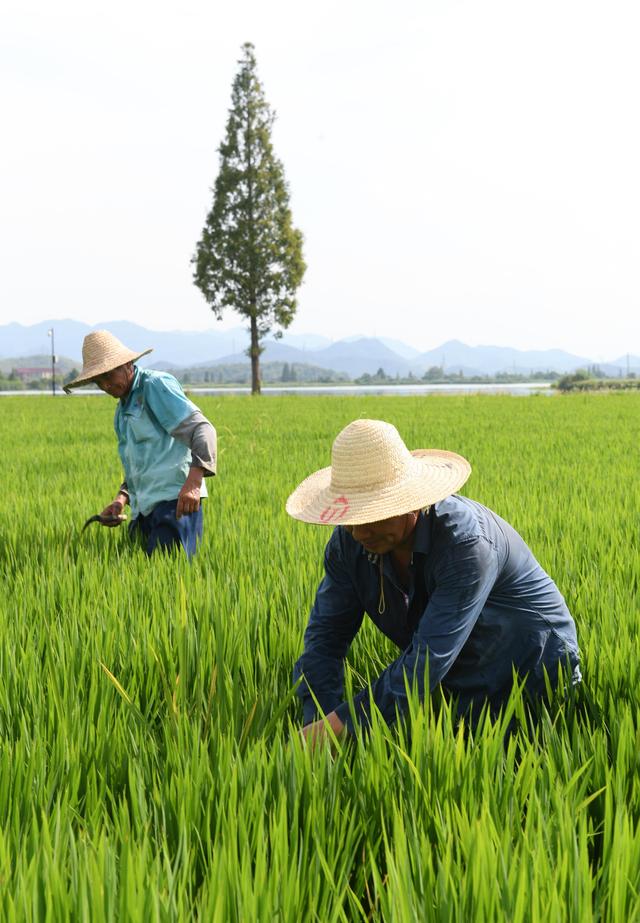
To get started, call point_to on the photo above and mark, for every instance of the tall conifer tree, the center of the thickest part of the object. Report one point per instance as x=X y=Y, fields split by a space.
x=249 y=257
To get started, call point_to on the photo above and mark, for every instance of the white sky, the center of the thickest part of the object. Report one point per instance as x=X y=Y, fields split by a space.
x=459 y=169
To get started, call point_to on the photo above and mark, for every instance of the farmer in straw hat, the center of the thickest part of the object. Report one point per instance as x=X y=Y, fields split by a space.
x=446 y=579
x=165 y=443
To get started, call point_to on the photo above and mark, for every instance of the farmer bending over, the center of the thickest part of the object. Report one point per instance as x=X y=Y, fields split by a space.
x=447 y=580
x=166 y=445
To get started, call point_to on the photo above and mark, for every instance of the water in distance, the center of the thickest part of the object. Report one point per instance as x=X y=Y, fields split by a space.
x=518 y=388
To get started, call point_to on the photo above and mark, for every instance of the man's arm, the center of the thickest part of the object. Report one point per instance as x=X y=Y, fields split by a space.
x=198 y=433
x=463 y=582
x=335 y=619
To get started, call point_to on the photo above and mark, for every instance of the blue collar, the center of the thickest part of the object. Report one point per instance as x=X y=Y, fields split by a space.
x=422 y=534
x=125 y=401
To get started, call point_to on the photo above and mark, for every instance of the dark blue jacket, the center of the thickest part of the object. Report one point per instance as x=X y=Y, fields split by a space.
x=478 y=606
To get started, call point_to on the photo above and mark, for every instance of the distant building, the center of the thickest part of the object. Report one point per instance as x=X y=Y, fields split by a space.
x=33 y=374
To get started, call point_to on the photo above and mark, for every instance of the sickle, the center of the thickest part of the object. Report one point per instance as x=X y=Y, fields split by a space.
x=103 y=520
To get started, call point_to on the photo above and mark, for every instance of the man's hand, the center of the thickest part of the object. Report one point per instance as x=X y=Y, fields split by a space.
x=316 y=734
x=114 y=510
x=189 y=496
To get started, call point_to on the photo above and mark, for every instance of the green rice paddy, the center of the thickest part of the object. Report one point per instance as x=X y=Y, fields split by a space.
x=150 y=766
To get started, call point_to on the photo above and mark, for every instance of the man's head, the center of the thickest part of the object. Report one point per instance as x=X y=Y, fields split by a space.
x=386 y=535
x=117 y=382
x=374 y=480
x=104 y=358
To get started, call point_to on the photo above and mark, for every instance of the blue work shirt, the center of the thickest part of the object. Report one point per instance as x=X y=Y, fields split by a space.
x=477 y=606
x=155 y=464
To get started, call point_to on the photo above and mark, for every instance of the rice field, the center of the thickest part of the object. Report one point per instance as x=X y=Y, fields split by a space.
x=150 y=765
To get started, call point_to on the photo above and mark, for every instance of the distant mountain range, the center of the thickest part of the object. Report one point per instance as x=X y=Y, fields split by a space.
x=353 y=356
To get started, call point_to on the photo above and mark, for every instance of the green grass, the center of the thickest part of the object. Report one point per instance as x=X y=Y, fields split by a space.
x=149 y=763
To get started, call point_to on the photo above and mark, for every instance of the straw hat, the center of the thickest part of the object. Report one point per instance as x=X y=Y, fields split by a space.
x=102 y=352
x=374 y=476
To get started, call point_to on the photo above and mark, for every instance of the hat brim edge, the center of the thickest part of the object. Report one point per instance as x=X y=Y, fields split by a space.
x=313 y=501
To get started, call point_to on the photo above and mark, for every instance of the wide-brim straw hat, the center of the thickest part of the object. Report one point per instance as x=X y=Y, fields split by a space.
x=374 y=476
x=101 y=353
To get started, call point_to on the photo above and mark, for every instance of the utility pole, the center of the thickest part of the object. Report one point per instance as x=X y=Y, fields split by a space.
x=53 y=363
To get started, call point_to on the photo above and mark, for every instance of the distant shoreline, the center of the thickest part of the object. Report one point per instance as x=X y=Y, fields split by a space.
x=405 y=390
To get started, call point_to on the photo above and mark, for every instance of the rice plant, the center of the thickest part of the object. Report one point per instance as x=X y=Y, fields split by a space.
x=150 y=765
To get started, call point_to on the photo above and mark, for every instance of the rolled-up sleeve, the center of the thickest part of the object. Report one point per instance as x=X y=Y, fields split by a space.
x=200 y=435
x=335 y=618
x=464 y=580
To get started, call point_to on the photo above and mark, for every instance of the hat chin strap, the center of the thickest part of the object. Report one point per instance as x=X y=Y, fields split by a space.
x=382 y=605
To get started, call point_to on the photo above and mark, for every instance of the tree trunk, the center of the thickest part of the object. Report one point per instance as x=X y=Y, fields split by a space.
x=254 y=352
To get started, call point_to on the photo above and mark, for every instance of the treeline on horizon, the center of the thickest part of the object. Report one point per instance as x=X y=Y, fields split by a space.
x=298 y=373
x=284 y=373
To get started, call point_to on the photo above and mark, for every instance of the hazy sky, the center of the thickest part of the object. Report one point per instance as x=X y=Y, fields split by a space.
x=459 y=169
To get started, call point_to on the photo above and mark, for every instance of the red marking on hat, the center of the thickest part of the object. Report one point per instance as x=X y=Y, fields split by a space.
x=338 y=508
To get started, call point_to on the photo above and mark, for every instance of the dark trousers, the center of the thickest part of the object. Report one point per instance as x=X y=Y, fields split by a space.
x=160 y=529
